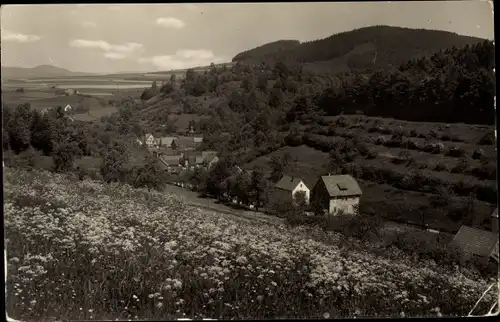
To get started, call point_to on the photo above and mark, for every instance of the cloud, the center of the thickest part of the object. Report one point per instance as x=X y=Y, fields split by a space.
x=89 y=24
x=170 y=22
x=8 y=35
x=182 y=59
x=113 y=55
x=129 y=47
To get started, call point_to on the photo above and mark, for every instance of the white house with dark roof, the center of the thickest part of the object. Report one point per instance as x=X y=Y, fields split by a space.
x=337 y=193
x=289 y=186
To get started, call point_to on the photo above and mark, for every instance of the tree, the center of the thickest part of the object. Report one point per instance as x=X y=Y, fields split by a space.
x=63 y=156
x=259 y=188
x=172 y=79
x=154 y=86
x=149 y=174
x=18 y=128
x=279 y=165
x=113 y=162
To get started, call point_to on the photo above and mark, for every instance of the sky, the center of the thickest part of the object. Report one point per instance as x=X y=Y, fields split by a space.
x=100 y=38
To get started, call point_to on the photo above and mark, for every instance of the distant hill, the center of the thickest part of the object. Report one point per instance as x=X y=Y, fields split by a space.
x=369 y=47
x=41 y=71
x=267 y=49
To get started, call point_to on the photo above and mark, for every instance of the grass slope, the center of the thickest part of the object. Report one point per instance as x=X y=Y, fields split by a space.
x=87 y=250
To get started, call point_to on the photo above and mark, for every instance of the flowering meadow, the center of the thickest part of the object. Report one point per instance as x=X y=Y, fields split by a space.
x=89 y=250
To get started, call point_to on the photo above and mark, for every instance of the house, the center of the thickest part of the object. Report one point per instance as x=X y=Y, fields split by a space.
x=67 y=108
x=151 y=143
x=288 y=186
x=70 y=91
x=210 y=160
x=206 y=153
x=197 y=140
x=171 y=161
x=183 y=143
x=477 y=242
x=337 y=193
x=166 y=141
x=494 y=221
x=192 y=158
x=138 y=141
x=45 y=111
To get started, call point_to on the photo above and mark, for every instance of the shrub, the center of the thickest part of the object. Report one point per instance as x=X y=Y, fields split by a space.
x=432 y=134
x=478 y=154
x=440 y=166
x=381 y=140
x=461 y=167
x=355 y=226
x=413 y=133
x=456 y=151
x=487 y=139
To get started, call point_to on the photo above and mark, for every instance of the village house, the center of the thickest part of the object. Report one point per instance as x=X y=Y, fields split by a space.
x=150 y=141
x=197 y=140
x=288 y=187
x=477 y=243
x=172 y=162
x=210 y=160
x=337 y=193
x=67 y=108
x=183 y=143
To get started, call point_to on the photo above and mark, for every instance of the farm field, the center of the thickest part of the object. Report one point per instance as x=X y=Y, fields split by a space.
x=207 y=263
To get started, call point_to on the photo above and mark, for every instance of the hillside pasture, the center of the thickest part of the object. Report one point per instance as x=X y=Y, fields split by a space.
x=150 y=256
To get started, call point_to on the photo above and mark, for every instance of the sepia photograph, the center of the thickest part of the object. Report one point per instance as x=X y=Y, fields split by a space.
x=239 y=161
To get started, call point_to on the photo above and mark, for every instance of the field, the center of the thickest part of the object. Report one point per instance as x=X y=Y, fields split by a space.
x=99 y=251
x=407 y=203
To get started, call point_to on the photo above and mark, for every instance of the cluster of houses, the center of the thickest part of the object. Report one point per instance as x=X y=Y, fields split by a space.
x=179 y=153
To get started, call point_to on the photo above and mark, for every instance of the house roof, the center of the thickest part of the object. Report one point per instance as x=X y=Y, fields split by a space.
x=198 y=140
x=170 y=160
x=210 y=157
x=188 y=154
x=185 y=141
x=341 y=185
x=495 y=213
x=288 y=183
x=476 y=241
x=207 y=153
x=199 y=159
x=167 y=140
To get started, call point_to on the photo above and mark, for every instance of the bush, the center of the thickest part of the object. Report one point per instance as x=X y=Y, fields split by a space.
x=461 y=167
x=440 y=166
x=478 y=154
x=432 y=134
x=381 y=140
x=413 y=133
x=456 y=151
x=487 y=139
x=355 y=226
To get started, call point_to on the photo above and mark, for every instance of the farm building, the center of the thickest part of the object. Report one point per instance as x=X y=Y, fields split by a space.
x=67 y=108
x=337 y=193
x=287 y=188
x=477 y=242
x=150 y=141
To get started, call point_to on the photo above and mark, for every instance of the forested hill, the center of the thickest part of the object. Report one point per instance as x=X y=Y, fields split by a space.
x=267 y=49
x=369 y=47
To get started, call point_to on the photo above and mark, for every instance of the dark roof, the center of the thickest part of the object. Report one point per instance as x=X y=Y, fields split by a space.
x=476 y=241
x=210 y=157
x=341 y=185
x=495 y=213
x=184 y=141
x=170 y=160
x=288 y=183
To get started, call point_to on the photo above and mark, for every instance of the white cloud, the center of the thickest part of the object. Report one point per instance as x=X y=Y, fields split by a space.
x=182 y=59
x=8 y=35
x=89 y=24
x=113 y=55
x=129 y=47
x=170 y=22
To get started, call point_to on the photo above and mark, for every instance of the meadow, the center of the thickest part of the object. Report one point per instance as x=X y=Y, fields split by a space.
x=89 y=250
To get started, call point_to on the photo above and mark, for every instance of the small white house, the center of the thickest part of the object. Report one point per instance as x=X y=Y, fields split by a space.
x=337 y=193
x=150 y=140
x=288 y=187
x=67 y=108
